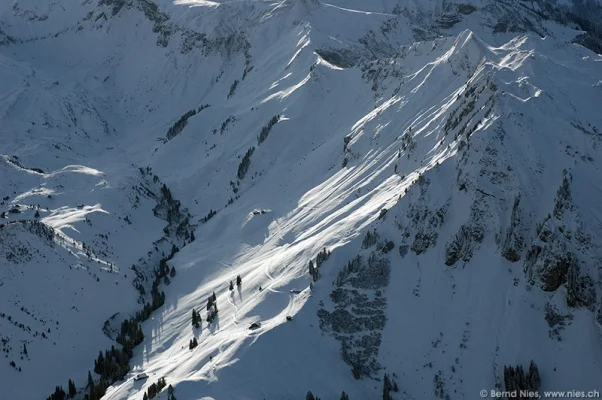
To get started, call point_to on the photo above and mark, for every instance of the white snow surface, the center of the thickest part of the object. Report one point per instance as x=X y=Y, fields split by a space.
x=88 y=97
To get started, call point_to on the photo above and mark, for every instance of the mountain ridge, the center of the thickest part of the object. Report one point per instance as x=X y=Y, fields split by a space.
x=454 y=149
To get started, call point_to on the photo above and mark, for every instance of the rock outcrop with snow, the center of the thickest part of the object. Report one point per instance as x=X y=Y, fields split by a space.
x=436 y=163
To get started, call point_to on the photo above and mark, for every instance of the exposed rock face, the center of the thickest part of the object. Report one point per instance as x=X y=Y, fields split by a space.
x=359 y=312
x=426 y=222
x=514 y=240
x=462 y=245
x=562 y=245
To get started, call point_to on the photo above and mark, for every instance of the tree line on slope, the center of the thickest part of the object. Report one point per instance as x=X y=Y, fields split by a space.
x=314 y=269
x=181 y=123
x=114 y=365
x=245 y=163
x=212 y=312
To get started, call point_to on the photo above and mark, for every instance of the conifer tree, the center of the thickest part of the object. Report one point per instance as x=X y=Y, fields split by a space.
x=90 y=382
x=231 y=286
x=238 y=280
x=196 y=318
x=344 y=396
x=172 y=273
x=72 y=389
x=310 y=396
x=387 y=388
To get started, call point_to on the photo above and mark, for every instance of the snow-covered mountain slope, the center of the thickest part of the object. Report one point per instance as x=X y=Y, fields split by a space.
x=272 y=131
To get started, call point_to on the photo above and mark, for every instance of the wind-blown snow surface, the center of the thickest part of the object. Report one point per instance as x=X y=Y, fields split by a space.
x=446 y=134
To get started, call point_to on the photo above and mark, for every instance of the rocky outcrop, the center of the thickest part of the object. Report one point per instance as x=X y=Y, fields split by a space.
x=580 y=289
x=427 y=223
x=514 y=238
x=359 y=312
x=462 y=244
x=562 y=246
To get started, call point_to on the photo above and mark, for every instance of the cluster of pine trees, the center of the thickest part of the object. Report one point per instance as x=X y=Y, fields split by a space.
x=243 y=167
x=96 y=390
x=311 y=396
x=196 y=318
x=211 y=308
x=154 y=389
x=314 y=270
x=193 y=343
x=233 y=88
x=59 y=392
x=265 y=131
x=113 y=365
x=388 y=386
x=208 y=216
x=515 y=378
x=180 y=124
x=370 y=239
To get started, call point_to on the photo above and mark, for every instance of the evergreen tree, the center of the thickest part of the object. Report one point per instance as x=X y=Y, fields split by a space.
x=533 y=379
x=24 y=349
x=59 y=394
x=145 y=397
x=72 y=389
x=37 y=214
x=344 y=396
x=310 y=396
x=90 y=382
x=214 y=298
x=196 y=318
x=192 y=236
x=387 y=388
x=356 y=370
x=172 y=273
x=231 y=286
x=238 y=280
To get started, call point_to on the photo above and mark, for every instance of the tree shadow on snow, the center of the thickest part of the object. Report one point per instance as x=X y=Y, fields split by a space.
x=214 y=326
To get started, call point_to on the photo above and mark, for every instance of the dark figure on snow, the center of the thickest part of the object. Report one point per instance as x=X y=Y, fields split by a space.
x=231 y=286
x=238 y=280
